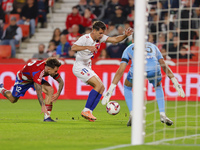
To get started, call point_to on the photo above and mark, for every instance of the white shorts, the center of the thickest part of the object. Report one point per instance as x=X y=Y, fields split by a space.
x=84 y=73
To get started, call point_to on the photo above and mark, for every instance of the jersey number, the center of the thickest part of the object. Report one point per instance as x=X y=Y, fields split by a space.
x=30 y=64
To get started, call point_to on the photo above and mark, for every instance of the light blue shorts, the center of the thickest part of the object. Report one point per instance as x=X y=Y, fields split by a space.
x=154 y=77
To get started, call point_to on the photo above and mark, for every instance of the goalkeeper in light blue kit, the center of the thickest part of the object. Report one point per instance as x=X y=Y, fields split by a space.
x=153 y=68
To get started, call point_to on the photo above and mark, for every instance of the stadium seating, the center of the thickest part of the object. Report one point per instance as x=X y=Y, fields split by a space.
x=25 y=30
x=5 y=51
x=5 y=26
x=17 y=16
x=9 y=16
x=195 y=52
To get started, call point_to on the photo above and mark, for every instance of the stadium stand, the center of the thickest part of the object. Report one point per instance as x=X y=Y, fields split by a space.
x=5 y=51
x=161 y=22
x=55 y=19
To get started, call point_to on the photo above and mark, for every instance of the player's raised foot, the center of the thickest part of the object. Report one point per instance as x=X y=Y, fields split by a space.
x=49 y=120
x=1 y=88
x=166 y=120
x=129 y=121
x=1 y=85
x=91 y=120
x=88 y=115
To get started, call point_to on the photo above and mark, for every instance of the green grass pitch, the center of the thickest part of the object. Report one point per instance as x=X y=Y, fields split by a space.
x=22 y=127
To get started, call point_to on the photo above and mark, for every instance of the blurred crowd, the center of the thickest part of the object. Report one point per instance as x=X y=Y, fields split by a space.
x=173 y=25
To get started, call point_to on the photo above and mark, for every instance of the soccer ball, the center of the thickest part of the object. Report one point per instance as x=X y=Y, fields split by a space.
x=113 y=108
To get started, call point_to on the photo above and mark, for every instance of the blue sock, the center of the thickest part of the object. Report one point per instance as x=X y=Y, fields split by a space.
x=160 y=98
x=128 y=96
x=96 y=101
x=91 y=98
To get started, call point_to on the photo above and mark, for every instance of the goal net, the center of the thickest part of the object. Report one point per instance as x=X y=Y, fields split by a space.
x=174 y=26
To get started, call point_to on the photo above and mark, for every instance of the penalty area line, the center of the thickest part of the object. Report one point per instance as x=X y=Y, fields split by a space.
x=114 y=147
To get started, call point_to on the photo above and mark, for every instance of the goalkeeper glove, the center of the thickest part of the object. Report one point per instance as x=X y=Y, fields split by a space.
x=178 y=87
x=108 y=94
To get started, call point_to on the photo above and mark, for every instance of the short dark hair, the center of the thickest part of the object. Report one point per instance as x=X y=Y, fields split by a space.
x=97 y=25
x=76 y=7
x=52 y=62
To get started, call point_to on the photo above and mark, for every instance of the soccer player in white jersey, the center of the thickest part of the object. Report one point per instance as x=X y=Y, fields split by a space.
x=153 y=68
x=86 y=46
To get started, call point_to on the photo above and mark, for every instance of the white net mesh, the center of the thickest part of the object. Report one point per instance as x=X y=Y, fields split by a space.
x=174 y=26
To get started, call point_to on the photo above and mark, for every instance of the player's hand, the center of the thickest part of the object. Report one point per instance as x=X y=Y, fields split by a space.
x=106 y=97
x=44 y=110
x=92 y=49
x=128 y=31
x=178 y=87
x=55 y=97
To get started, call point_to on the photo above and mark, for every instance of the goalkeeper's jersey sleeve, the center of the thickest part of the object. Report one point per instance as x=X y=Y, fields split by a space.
x=127 y=55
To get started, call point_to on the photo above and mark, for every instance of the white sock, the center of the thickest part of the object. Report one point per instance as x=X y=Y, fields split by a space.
x=162 y=114
x=2 y=90
x=47 y=116
x=87 y=109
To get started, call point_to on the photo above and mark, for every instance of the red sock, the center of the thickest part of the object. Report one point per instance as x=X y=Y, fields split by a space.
x=49 y=107
x=3 y=91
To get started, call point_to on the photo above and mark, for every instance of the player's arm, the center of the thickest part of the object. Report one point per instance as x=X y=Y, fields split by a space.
x=114 y=83
x=81 y=48
x=38 y=89
x=120 y=38
x=119 y=73
x=60 y=87
x=170 y=74
x=166 y=69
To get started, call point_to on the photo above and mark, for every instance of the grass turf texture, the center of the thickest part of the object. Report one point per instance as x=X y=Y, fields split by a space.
x=22 y=127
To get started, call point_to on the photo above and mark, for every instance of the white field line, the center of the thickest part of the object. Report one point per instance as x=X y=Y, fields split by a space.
x=172 y=139
x=156 y=143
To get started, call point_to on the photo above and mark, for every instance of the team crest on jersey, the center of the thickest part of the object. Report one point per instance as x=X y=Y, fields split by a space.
x=87 y=37
x=84 y=70
x=41 y=74
x=97 y=45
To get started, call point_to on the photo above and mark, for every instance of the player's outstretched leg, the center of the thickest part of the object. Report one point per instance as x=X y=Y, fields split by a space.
x=2 y=90
x=128 y=97
x=87 y=112
x=161 y=105
x=165 y=119
x=130 y=119
x=93 y=98
x=8 y=94
x=160 y=98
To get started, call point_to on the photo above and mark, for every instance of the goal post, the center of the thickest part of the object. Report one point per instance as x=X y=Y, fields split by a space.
x=175 y=30
x=137 y=132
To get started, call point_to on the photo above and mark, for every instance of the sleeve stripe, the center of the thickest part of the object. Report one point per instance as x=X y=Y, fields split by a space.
x=126 y=60
x=56 y=76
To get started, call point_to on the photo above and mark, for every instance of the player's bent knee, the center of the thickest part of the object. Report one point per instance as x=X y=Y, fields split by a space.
x=50 y=90
x=103 y=88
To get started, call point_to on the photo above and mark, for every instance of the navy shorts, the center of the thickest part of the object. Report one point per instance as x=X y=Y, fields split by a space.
x=20 y=87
